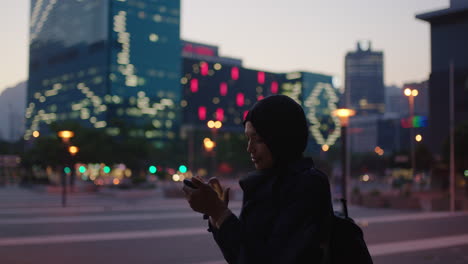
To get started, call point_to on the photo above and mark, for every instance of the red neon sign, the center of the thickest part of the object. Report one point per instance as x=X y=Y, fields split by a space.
x=194 y=85
x=220 y=114
x=235 y=73
x=261 y=77
x=223 y=88
x=274 y=87
x=204 y=68
x=240 y=99
x=202 y=113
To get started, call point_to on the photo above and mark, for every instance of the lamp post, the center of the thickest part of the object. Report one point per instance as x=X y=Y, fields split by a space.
x=214 y=126
x=411 y=93
x=66 y=135
x=343 y=114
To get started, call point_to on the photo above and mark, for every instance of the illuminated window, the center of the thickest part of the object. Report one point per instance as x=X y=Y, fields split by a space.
x=202 y=113
x=223 y=89
x=240 y=99
x=204 y=68
x=157 y=18
x=235 y=73
x=220 y=114
x=260 y=97
x=153 y=37
x=194 y=85
x=274 y=87
x=261 y=77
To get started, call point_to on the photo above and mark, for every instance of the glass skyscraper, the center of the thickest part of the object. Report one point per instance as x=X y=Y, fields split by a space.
x=100 y=62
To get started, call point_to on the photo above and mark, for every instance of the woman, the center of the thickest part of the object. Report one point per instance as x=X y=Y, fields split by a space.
x=286 y=211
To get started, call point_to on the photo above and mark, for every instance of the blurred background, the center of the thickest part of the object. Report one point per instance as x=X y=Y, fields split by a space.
x=107 y=105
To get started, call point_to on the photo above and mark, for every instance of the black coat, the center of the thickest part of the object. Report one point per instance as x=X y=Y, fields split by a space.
x=285 y=216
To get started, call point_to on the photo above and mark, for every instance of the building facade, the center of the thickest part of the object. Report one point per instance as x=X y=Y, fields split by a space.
x=103 y=63
x=364 y=80
x=449 y=42
x=219 y=88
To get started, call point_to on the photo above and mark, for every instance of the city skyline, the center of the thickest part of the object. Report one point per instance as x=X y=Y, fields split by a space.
x=394 y=30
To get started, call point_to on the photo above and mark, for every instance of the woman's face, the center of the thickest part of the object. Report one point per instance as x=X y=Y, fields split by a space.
x=259 y=152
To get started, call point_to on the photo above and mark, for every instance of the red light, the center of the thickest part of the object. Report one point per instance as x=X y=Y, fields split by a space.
x=220 y=114
x=245 y=114
x=260 y=97
x=223 y=88
x=240 y=99
x=204 y=68
x=202 y=113
x=194 y=85
x=235 y=73
x=189 y=48
x=261 y=77
x=274 y=87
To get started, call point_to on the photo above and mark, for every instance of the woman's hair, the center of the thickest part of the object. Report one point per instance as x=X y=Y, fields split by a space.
x=282 y=124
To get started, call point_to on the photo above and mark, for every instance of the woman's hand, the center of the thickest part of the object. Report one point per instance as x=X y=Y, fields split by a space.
x=208 y=198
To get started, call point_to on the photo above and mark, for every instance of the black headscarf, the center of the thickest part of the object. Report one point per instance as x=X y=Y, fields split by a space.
x=282 y=124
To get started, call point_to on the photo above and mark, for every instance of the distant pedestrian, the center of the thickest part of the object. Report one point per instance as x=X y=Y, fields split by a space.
x=286 y=210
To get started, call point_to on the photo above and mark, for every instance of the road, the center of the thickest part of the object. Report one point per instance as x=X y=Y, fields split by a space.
x=97 y=228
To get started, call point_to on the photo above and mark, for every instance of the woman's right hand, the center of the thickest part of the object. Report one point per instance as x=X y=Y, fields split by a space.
x=208 y=198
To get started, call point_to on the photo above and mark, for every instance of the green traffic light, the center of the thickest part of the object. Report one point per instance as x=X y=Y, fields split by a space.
x=67 y=170
x=152 y=169
x=82 y=169
x=106 y=169
x=183 y=168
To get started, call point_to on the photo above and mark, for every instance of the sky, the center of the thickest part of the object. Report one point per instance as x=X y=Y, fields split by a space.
x=275 y=35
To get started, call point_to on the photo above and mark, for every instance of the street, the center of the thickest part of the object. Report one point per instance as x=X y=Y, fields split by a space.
x=107 y=228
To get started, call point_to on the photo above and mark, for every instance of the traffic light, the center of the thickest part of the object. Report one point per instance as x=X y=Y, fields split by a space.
x=152 y=169
x=67 y=170
x=82 y=169
x=106 y=169
x=183 y=168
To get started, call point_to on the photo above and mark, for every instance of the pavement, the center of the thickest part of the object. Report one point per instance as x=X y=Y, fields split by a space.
x=97 y=228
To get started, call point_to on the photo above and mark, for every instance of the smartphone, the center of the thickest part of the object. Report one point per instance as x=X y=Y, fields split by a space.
x=190 y=184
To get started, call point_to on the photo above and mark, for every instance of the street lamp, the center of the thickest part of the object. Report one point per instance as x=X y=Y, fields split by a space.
x=36 y=134
x=411 y=93
x=213 y=126
x=65 y=135
x=343 y=114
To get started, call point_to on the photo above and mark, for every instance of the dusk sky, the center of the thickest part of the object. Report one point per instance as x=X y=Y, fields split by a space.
x=274 y=35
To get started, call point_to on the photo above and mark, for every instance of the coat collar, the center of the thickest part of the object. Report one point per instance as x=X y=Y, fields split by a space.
x=255 y=179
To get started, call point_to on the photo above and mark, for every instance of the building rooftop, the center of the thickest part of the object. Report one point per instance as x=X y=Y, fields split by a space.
x=456 y=7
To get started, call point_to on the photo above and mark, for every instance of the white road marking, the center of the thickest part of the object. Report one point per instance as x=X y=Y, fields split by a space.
x=408 y=217
x=74 y=238
x=417 y=245
x=98 y=218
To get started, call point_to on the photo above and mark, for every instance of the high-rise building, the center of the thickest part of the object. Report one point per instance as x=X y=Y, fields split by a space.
x=101 y=62
x=364 y=80
x=219 y=88
x=449 y=42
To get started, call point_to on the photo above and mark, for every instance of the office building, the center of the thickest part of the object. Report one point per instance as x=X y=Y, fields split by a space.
x=104 y=63
x=219 y=88
x=449 y=42
x=319 y=98
x=364 y=80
